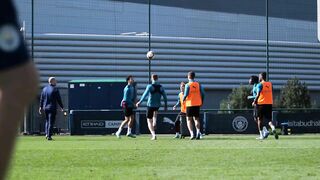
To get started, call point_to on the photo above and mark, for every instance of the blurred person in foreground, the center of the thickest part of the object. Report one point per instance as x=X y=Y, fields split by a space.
x=18 y=81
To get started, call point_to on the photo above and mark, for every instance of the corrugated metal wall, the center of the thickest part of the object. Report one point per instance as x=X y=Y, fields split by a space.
x=219 y=63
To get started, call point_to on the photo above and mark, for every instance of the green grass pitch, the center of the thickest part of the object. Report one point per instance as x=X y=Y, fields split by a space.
x=215 y=157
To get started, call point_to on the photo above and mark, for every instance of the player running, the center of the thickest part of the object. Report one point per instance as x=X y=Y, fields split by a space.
x=193 y=97
x=154 y=91
x=254 y=81
x=263 y=102
x=127 y=104
x=182 y=111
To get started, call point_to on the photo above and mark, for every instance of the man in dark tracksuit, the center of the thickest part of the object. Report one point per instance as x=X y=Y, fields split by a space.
x=49 y=99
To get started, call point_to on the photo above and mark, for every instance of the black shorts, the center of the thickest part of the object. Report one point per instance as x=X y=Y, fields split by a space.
x=255 y=112
x=265 y=111
x=150 y=111
x=193 y=111
x=12 y=48
x=180 y=115
x=128 y=111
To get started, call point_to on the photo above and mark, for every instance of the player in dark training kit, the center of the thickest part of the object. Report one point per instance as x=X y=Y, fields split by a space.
x=18 y=81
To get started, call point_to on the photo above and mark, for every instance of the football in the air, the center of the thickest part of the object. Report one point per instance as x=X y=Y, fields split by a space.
x=150 y=55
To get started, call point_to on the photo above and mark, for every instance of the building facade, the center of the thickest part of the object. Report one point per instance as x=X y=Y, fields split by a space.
x=223 y=41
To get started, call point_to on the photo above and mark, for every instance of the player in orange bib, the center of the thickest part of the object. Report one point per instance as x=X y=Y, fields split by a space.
x=182 y=111
x=193 y=97
x=264 y=101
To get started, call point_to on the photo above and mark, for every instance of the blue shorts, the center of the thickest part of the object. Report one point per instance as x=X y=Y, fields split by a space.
x=13 y=51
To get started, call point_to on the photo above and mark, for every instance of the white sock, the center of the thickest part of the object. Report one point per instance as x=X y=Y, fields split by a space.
x=177 y=134
x=272 y=127
x=119 y=130
x=129 y=131
x=191 y=134
x=198 y=131
x=261 y=134
x=153 y=133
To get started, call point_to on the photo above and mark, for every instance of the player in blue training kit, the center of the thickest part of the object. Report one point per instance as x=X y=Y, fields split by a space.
x=154 y=92
x=127 y=104
x=18 y=81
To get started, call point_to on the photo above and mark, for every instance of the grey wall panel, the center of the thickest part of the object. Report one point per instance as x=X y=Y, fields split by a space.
x=220 y=64
x=290 y=20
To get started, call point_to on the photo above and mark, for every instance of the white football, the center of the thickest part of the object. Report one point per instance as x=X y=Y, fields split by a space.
x=150 y=55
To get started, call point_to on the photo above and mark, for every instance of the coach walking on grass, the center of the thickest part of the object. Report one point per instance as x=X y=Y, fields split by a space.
x=49 y=99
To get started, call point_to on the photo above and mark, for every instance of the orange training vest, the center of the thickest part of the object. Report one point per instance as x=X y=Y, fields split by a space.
x=266 y=93
x=183 y=104
x=194 y=97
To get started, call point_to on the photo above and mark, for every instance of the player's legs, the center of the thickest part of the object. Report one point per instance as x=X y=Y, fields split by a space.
x=190 y=114
x=154 y=125
x=123 y=123
x=131 y=121
x=190 y=127
x=151 y=129
x=154 y=118
x=127 y=118
x=177 y=126
x=18 y=87
x=130 y=116
x=260 y=124
x=276 y=136
x=260 y=116
x=130 y=126
x=47 y=124
x=150 y=117
x=255 y=114
x=196 y=119
x=51 y=121
x=268 y=115
x=197 y=124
